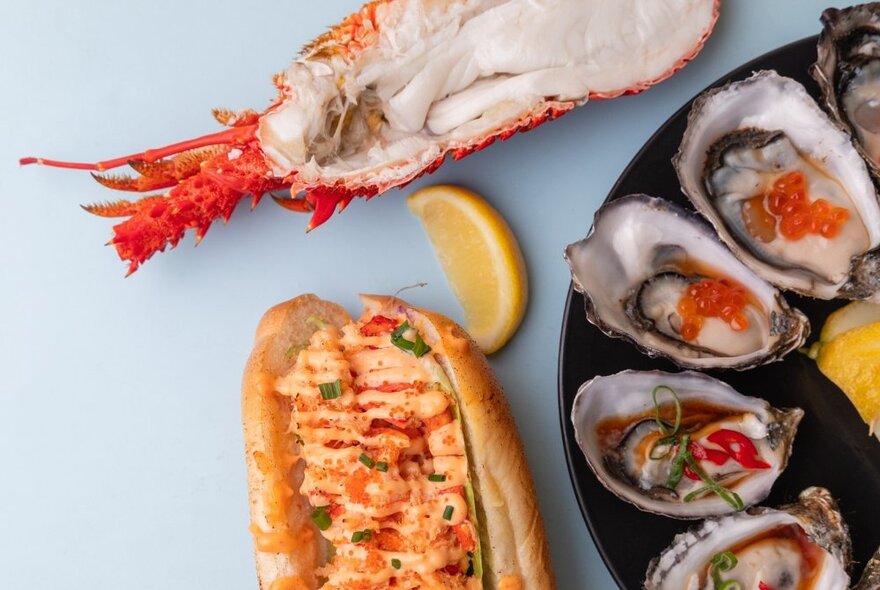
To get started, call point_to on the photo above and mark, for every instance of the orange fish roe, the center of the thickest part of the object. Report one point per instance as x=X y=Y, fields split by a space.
x=712 y=298
x=788 y=202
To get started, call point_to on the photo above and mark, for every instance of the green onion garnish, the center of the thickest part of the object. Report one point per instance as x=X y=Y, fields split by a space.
x=321 y=518
x=723 y=562
x=728 y=496
x=298 y=438
x=447 y=513
x=382 y=466
x=661 y=424
x=364 y=535
x=436 y=477
x=418 y=347
x=331 y=390
x=365 y=459
x=395 y=563
x=676 y=470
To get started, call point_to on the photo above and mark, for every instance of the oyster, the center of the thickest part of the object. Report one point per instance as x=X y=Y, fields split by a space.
x=871 y=577
x=848 y=72
x=803 y=545
x=784 y=187
x=633 y=453
x=649 y=271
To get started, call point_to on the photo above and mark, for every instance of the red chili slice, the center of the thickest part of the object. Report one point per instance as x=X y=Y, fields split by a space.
x=703 y=454
x=690 y=473
x=452 y=570
x=763 y=586
x=740 y=447
x=378 y=325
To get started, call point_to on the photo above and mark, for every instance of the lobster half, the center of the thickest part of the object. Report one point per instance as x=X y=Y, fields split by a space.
x=386 y=95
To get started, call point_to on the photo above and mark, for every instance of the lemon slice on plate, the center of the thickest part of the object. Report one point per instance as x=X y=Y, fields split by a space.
x=480 y=257
x=849 y=355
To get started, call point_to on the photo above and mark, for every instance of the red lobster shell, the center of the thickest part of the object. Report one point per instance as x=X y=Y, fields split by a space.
x=386 y=95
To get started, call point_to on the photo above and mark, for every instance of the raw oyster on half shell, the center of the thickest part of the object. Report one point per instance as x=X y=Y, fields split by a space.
x=784 y=186
x=803 y=545
x=656 y=274
x=624 y=425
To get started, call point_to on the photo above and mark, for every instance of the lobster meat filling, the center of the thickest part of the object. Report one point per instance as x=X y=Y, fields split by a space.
x=440 y=73
x=385 y=462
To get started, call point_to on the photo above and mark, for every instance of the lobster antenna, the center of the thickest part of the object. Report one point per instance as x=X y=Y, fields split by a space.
x=233 y=135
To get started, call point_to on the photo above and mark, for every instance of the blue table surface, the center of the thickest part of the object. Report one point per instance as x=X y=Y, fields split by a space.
x=120 y=436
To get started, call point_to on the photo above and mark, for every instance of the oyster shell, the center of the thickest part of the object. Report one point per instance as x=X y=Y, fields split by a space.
x=639 y=259
x=743 y=144
x=616 y=429
x=871 y=577
x=770 y=546
x=848 y=72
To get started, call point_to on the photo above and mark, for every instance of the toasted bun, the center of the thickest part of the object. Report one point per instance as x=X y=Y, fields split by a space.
x=515 y=550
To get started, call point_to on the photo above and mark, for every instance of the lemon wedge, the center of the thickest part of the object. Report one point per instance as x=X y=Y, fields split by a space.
x=849 y=355
x=481 y=259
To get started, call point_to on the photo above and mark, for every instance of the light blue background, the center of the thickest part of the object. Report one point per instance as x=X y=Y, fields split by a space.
x=120 y=441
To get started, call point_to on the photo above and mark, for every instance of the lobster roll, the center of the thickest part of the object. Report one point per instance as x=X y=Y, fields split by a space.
x=381 y=453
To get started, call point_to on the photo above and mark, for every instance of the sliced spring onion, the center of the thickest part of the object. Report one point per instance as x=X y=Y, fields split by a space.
x=728 y=496
x=676 y=470
x=395 y=563
x=447 y=513
x=298 y=438
x=436 y=477
x=331 y=390
x=418 y=347
x=365 y=459
x=364 y=535
x=382 y=466
x=321 y=518
x=723 y=562
x=661 y=424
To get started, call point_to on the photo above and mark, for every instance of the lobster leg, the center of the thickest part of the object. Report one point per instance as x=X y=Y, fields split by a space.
x=162 y=173
x=214 y=192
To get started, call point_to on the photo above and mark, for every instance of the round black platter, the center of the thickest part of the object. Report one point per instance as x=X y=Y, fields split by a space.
x=832 y=448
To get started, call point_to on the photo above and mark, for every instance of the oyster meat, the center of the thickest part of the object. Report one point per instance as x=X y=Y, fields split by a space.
x=656 y=274
x=784 y=186
x=800 y=546
x=634 y=426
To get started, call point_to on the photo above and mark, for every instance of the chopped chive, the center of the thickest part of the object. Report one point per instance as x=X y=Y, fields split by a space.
x=664 y=428
x=331 y=390
x=418 y=347
x=676 y=470
x=436 y=477
x=382 y=466
x=365 y=459
x=321 y=518
x=364 y=535
x=298 y=438
x=395 y=563
x=447 y=513
x=725 y=494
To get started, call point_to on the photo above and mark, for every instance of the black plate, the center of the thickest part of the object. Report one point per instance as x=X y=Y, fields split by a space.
x=832 y=448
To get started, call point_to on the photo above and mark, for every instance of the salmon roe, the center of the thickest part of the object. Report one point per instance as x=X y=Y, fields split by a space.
x=788 y=203
x=712 y=298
